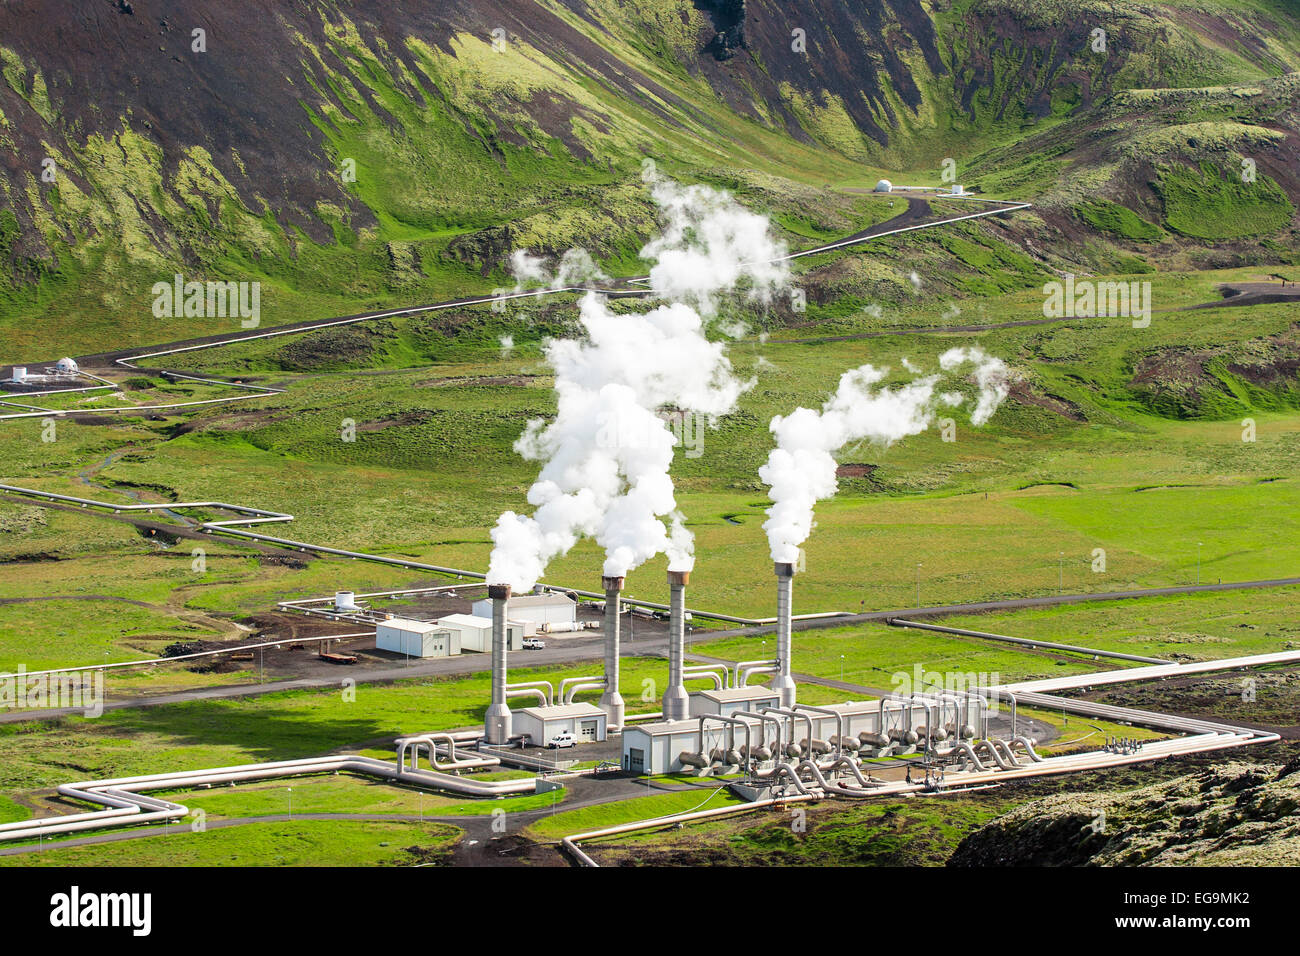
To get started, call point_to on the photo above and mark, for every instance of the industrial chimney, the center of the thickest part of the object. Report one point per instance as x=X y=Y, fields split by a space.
x=497 y=723
x=783 y=683
x=612 y=701
x=676 y=702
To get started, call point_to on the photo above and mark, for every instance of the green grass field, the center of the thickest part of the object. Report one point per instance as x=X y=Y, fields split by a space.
x=631 y=810
x=296 y=843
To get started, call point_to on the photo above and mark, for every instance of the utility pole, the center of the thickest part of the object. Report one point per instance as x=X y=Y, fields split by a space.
x=918 y=584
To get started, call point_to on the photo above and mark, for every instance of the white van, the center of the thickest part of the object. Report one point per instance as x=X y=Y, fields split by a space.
x=563 y=739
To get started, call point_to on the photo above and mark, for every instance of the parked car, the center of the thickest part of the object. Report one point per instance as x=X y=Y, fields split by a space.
x=563 y=739
x=534 y=644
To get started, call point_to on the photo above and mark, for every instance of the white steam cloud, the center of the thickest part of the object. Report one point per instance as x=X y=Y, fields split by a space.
x=575 y=268
x=800 y=470
x=607 y=453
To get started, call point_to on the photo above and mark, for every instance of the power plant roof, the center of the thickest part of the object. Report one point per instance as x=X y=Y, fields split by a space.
x=563 y=710
x=756 y=692
x=466 y=620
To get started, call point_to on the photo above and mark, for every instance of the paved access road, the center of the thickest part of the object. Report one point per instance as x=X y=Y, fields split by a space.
x=573 y=650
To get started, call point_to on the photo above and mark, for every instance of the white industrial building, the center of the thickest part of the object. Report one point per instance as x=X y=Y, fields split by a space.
x=587 y=722
x=416 y=638
x=549 y=608
x=475 y=633
x=727 y=701
x=657 y=748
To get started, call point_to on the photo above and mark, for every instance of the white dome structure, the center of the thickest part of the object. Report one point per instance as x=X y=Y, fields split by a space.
x=66 y=365
x=884 y=186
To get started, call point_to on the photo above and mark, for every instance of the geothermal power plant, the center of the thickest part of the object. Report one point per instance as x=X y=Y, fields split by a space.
x=761 y=731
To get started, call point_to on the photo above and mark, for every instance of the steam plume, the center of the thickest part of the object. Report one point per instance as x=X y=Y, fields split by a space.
x=800 y=470
x=607 y=453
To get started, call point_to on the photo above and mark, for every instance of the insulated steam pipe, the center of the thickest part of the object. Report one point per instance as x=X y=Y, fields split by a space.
x=577 y=688
x=763 y=719
x=513 y=692
x=826 y=712
x=567 y=682
x=129 y=807
x=543 y=685
x=717 y=672
x=794 y=715
x=731 y=723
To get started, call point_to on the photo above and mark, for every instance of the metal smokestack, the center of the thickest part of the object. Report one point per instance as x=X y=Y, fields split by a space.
x=612 y=701
x=676 y=704
x=783 y=683
x=497 y=723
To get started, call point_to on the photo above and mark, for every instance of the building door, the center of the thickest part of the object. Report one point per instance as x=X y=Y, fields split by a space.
x=587 y=730
x=636 y=760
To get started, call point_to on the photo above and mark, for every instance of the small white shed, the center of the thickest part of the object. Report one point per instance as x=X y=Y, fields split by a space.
x=475 y=633
x=546 y=608
x=586 y=722
x=416 y=638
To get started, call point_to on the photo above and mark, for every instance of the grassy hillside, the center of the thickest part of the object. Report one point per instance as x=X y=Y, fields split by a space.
x=357 y=156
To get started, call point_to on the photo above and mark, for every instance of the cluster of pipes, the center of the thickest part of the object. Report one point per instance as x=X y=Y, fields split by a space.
x=898 y=735
x=808 y=761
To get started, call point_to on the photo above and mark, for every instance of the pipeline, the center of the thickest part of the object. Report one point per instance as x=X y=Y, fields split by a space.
x=1028 y=746
x=540 y=694
x=718 y=673
x=763 y=720
x=810 y=743
x=731 y=722
x=130 y=807
x=578 y=687
x=549 y=696
x=839 y=723
x=970 y=755
x=1026 y=642
x=988 y=747
x=452 y=761
x=744 y=669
